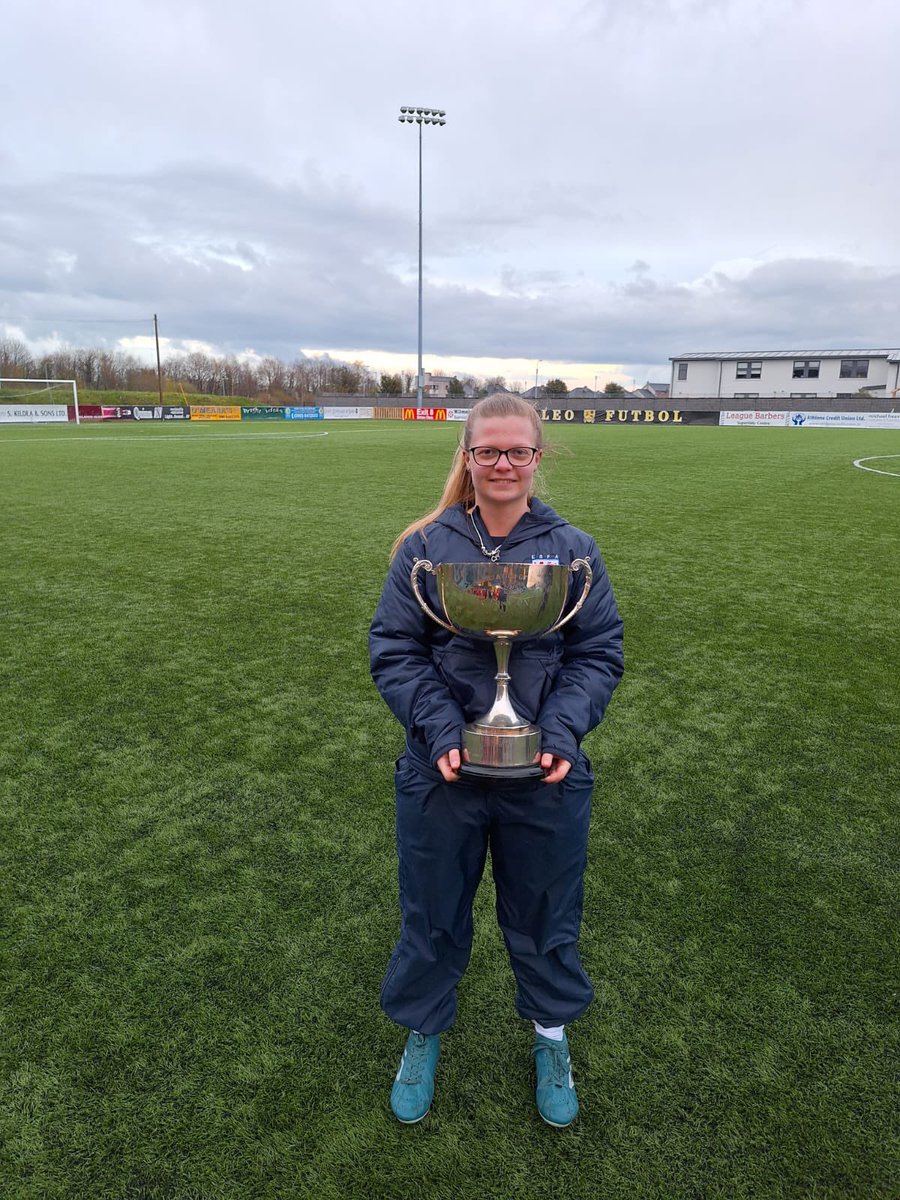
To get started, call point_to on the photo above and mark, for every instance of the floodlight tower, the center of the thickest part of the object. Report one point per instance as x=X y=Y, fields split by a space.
x=420 y=117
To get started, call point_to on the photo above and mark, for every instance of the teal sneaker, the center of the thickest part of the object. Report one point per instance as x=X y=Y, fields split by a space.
x=413 y=1088
x=555 y=1090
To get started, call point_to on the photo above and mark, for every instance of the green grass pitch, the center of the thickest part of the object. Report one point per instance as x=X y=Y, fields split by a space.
x=197 y=871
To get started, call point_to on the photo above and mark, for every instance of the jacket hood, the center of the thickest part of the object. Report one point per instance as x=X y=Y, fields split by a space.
x=539 y=519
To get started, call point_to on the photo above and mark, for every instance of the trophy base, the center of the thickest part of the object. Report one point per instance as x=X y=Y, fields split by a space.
x=473 y=771
x=506 y=752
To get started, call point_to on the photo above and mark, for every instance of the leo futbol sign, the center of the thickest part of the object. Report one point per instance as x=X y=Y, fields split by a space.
x=627 y=416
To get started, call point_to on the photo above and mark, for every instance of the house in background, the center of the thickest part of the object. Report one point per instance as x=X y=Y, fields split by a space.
x=584 y=393
x=436 y=387
x=652 y=391
x=787 y=374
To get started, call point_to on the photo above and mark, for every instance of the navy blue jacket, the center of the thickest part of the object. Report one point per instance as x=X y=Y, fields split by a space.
x=435 y=682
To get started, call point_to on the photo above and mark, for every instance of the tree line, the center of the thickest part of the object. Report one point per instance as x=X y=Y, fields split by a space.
x=226 y=375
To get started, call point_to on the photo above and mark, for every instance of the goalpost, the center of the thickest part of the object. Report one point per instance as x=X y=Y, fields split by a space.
x=36 y=401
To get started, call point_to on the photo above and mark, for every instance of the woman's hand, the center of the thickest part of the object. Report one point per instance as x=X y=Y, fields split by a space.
x=556 y=768
x=448 y=765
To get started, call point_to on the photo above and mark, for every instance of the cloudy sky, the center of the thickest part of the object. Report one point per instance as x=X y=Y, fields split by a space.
x=618 y=181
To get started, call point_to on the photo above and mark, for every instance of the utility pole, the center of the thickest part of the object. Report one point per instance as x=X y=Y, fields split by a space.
x=158 y=367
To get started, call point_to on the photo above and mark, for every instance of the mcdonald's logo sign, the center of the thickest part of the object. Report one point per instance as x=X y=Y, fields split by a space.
x=424 y=414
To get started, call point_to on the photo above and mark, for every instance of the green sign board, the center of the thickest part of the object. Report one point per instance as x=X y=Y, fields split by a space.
x=262 y=412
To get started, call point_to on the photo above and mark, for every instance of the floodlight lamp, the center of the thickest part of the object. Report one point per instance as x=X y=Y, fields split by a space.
x=403 y=108
x=442 y=122
x=419 y=111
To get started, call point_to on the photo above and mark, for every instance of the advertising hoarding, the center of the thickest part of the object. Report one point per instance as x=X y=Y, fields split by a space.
x=424 y=414
x=749 y=417
x=844 y=420
x=347 y=413
x=627 y=416
x=304 y=412
x=262 y=412
x=33 y=414
x=215 y=412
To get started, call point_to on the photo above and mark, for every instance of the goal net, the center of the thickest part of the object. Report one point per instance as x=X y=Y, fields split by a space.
x=38 y=401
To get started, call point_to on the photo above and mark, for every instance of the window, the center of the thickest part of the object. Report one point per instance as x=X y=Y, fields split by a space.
x=803 y=395
x=746 y=395
x=806 y=368
x=682 y=370
x=854 y=368
x=748 y=370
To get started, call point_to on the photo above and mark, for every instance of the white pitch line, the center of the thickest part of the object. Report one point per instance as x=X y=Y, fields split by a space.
x=858 y=462
x=219 y=437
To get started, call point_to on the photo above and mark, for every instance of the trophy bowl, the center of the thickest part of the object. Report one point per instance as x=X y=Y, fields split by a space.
x=502 y=603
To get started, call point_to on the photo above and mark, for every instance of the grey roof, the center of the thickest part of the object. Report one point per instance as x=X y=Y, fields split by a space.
x=893 y=355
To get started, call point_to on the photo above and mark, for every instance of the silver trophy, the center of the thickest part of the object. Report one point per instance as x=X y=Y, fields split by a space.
x=502 y=603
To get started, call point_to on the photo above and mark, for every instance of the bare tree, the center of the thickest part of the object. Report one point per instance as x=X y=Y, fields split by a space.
x=270 y=374
x=15 y=359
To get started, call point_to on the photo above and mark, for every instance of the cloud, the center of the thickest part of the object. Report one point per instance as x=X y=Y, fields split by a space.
x=236 y=261
x=618 y=180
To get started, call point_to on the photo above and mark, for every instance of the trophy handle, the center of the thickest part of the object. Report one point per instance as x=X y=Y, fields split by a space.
x=424 y=564
x=578 y=564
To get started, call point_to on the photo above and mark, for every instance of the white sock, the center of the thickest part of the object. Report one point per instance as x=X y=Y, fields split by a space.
x=554 y=1032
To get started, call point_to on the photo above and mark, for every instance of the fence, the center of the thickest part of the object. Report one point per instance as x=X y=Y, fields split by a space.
x=820 y=417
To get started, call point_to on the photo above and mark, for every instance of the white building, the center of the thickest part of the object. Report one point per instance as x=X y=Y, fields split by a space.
x=786 y=374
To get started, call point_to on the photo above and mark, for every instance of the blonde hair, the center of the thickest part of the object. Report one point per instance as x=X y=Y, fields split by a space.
x=458 y=489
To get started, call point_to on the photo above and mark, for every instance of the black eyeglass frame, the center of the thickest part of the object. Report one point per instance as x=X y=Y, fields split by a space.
x=500 y=453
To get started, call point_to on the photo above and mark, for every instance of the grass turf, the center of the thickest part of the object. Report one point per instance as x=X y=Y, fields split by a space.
x=198 y=874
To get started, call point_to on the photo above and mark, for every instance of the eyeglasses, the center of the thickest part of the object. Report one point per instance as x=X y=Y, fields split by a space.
x=516 y=456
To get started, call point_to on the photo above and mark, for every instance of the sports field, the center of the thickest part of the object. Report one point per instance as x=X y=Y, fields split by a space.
x=197 y=871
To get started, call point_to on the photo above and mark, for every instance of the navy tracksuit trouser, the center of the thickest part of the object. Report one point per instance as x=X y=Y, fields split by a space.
x=538 y=837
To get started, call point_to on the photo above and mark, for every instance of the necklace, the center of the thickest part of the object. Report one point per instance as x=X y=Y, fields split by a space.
x=493 y=555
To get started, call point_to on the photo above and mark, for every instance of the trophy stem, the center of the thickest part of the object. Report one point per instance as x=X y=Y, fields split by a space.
x=502 y=714
x=501 y=745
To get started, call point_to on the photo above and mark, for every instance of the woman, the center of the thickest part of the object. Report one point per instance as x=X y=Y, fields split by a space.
x=537 y=830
